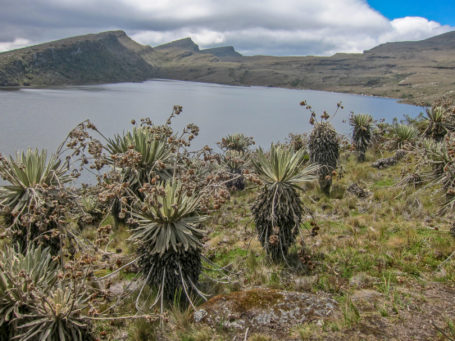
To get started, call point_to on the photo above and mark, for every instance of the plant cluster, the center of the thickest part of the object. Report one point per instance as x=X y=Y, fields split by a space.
x=235 y=158
x=148 y=174
x=169 y=238
x=237 y=142
x=38 y=302
x=278 y=208
x=441 y=157
x=162 y=190
x=235 y=164
x=91 y=210
x=404 y=135
x=440 y=119
x=324 y=147
x=35 y=201
x=362 y=133
x=298 y=141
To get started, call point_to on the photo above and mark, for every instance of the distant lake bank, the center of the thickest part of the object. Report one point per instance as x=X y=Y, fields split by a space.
x=42 y=117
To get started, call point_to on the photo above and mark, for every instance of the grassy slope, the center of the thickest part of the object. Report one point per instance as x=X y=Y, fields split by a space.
x=411 y=71
x=381 y=257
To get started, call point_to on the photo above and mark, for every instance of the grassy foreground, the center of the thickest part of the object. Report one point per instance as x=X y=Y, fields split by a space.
x=386 y=258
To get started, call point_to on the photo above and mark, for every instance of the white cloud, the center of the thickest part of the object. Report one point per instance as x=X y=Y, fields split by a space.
x=12 y=45
x=276 y=27
x=208 y=37
x=291 y=27
x=202 y=37
x=413 y=28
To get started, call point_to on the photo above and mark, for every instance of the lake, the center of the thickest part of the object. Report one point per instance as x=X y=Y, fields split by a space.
x=43 y=117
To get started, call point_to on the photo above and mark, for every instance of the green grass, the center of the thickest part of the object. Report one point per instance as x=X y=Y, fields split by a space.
x=384 y=183
x=225 y=257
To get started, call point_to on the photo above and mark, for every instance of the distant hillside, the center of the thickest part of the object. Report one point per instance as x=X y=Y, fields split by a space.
x=95 y=58
x=415 y=72
x=443 y=42
x=183 y=44
x=411 y=71
x=223 y=51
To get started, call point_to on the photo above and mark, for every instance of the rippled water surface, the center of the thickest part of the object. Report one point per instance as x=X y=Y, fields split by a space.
x=43 y=117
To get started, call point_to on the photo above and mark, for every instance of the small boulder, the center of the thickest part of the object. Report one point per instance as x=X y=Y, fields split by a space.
x=389 y=161
x=262 y=310
x=357 y=191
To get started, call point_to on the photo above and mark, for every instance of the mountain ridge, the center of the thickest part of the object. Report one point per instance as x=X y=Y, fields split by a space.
x=184 y=44
x=411 y=71
x=431 y=43
x=94 y=58
x=222 y=51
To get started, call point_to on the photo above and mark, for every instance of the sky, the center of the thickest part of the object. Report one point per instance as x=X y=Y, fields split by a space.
x=268 y=27
x=441 y=11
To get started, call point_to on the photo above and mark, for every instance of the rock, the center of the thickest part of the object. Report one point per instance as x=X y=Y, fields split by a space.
x=261 y=310
x=357 y=191
x=384 y=163
x=389 y=161
x=199 y=315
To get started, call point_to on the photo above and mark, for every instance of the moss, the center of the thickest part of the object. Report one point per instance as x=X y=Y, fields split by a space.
x=244 y=301
x=102 y=272
x=224 y=258
x=129 y=276
x=384 y=183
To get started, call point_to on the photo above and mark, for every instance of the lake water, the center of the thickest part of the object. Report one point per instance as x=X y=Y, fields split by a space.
x=43 y=117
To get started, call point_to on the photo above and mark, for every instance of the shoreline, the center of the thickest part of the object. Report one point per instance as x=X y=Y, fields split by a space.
x=62 y=86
